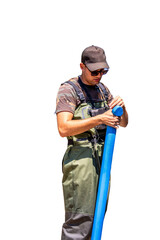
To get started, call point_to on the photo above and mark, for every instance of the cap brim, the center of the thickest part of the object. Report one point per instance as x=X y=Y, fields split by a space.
x=96 y=66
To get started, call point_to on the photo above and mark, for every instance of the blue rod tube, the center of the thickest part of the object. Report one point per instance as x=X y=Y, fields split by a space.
x=104 y=178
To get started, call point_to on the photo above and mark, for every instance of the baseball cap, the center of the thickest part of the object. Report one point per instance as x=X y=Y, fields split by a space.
x=94 y=58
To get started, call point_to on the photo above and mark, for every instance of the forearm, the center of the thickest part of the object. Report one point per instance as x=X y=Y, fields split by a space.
x=124 y=118
x=74 y=127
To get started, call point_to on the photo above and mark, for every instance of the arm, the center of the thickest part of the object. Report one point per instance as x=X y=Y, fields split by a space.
x=124 y=118
x=69 y=127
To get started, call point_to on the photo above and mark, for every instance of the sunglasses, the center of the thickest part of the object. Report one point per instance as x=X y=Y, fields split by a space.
x=96 y=72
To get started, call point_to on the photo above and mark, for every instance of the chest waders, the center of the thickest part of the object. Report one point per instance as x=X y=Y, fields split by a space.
x=81 y=169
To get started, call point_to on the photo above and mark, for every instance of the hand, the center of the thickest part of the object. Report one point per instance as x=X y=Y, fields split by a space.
x=124 y=118
x=116 y=101
x=109 y=119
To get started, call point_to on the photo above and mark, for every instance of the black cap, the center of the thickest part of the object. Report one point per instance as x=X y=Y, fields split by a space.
x=94 y=58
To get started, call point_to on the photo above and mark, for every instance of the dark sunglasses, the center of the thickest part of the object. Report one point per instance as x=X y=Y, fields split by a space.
x=96 y=72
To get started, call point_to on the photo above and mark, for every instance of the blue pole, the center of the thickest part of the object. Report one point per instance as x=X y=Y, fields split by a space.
x=104 y=178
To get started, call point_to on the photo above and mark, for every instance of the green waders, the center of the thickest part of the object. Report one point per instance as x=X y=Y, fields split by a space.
x=81 y=168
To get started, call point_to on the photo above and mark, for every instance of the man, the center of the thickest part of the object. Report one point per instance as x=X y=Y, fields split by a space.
x=84 y=108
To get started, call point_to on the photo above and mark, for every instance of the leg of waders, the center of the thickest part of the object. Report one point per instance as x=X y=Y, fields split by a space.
x=80 y=182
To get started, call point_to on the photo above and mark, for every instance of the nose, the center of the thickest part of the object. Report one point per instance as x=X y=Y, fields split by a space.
x=100 y=73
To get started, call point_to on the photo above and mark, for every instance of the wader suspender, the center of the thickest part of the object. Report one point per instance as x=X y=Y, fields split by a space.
x=78 y=91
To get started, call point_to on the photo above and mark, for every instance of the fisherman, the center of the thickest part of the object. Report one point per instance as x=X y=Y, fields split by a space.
x=84 y=109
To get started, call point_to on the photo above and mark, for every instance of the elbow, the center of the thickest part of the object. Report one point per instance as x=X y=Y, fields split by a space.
x=62 y=132
x=124 y=119
x=63 y=119
x=124 y=123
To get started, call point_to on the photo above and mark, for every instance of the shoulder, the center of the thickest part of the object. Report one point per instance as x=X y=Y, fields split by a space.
x=67 y=88
x=68 y=83
x=67 y=99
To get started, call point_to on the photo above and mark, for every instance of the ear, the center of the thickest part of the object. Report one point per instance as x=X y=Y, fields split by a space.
x=82 y=66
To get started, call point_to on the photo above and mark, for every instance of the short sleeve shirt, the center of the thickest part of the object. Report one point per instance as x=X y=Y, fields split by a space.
x=67 y=99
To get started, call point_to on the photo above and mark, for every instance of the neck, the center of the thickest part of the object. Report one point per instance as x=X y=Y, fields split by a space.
x=84 y=80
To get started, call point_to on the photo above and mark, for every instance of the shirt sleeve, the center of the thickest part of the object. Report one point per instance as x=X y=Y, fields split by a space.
x=66 y=99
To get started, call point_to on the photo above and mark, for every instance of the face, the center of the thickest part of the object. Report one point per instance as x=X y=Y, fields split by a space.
x=87 y=78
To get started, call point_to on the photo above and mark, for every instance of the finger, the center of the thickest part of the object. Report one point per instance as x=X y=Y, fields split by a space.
x=116 y=126
x=114 y=102
x=115 y=123
x=121 y=103
x=117 y=101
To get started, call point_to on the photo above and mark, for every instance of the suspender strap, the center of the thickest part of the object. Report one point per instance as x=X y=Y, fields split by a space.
x=103 y=90
x=78 y=91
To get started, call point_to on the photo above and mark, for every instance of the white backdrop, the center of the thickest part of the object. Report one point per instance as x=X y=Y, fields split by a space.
x=40 y=47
